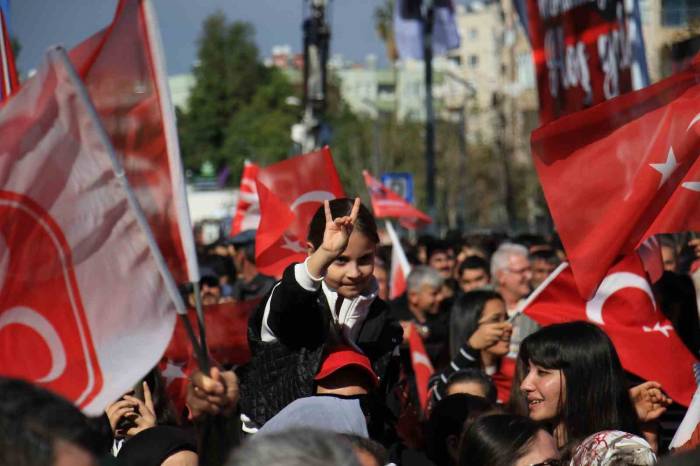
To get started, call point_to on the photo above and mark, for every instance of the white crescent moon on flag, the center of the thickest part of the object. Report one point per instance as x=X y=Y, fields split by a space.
x=21 y=315
x=312 y=196
x=692 y=185
x=611 y=285
x=693 y=121
x=420 y=358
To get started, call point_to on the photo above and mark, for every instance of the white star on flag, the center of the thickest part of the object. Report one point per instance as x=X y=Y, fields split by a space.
x=659 y=328
x=667 y=168
x=172 y=372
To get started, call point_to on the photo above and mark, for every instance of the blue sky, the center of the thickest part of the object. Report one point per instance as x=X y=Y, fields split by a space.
x=41 y=23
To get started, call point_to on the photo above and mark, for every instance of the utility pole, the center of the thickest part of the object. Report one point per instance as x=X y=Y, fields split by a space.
x=428 y=15
x=316 y=39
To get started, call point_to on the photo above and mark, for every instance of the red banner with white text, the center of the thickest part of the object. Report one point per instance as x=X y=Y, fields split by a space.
x=583 y=54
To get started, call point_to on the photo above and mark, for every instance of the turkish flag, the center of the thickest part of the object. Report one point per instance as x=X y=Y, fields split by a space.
x=400 y=267
x=290 y=192
x=227 y=327
x=624 y=307
x=386 y=203
x=247 y=216
x=83 y=308
x=227 y=340
x=176 y=376
x=624 y=170
x=422 y=367
x=8 y=72
x=124 y=71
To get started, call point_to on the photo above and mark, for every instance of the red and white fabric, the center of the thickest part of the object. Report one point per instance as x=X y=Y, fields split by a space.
x=400 y=267
x=124 y=70
x=83 y=308
x=625 y=308
x=422 y=367
x=622 y=171
x=8 y=71
x=290 y=192
x=386 y=203
x=247 y=216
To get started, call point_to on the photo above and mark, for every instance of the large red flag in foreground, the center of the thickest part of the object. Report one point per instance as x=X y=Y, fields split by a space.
x=386 y=203
x=622 y=171
x=625 y=309
x=290 y=192
x=123 y=69
x=83 y=309
x=247 y=215
x=8 y=72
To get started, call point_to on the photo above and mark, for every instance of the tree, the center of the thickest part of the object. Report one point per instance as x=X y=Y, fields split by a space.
x=260 y=130
x=237 y=108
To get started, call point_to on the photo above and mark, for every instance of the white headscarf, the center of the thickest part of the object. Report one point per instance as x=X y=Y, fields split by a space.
x=612 y=447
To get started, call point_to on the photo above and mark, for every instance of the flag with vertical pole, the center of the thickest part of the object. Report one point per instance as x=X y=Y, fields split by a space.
x=123 y=68
x=400 y=268
x=8 y=71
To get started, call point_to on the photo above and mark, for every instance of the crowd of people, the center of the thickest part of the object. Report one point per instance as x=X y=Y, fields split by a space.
x=331 y=377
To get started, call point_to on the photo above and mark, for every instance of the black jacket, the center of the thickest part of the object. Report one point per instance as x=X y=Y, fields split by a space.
x=283 y=370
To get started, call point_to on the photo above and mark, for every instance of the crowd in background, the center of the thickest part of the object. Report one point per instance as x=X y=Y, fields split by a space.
x=332 y=381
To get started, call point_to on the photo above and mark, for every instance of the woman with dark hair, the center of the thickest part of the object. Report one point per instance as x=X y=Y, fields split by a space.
x=574 y=382
x=447 y=421
x=507 y=440
x=147 y=404
x=479 y=338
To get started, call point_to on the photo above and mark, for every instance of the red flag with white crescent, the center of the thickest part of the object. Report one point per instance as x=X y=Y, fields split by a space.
x=400 y=267
x=247 y=216
x=290 y=192
x=83 y=308
x=622 y=171
x=625 y=308
x=422 y=367
x=124 y=70
x=386 y=203
x=226 y=324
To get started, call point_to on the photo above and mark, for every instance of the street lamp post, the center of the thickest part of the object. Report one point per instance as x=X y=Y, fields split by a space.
x=316 y=39
x=428 y=20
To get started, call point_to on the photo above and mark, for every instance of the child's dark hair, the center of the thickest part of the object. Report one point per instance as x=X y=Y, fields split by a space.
x=497 y=439
x=341 y=207
x=476 y=376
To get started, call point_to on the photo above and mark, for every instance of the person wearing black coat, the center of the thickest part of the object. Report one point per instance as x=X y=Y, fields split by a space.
x=327 y=301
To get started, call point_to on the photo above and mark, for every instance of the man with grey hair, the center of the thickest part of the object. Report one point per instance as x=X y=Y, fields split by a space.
x=302 y=447
x=421 y=300
x=511 y=273
x=419 y=308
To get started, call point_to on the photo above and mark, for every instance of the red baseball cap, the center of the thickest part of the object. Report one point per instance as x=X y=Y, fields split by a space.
x=339 y=358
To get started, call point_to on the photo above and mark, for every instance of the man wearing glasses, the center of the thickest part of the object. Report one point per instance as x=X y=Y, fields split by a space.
x=511 y=274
